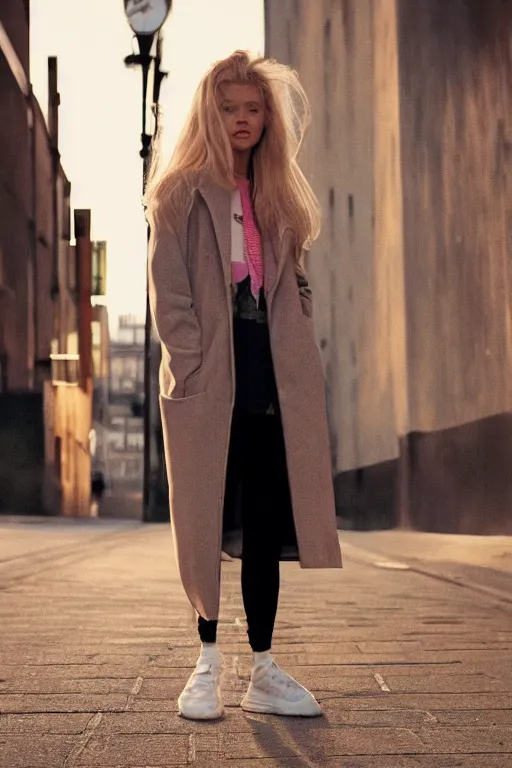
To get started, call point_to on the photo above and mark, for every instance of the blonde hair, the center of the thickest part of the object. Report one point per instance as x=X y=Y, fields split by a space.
x=282 y=196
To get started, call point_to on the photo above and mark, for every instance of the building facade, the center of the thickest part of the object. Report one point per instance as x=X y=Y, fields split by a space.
x=410 y=155
x=126 y=398
x=45 y=298
x=101 y=378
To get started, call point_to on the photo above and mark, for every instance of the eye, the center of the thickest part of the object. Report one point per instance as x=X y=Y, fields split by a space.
x=229 y=110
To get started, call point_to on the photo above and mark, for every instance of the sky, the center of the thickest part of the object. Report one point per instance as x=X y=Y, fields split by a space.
x=100 y=115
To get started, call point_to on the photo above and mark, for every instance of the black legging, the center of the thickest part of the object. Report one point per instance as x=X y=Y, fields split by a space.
x=257 y=461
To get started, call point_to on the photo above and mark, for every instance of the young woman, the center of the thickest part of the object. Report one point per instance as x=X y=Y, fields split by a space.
x=242 y=389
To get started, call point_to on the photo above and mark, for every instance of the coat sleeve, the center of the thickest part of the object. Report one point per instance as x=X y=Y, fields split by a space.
x=172 y=307
x=306 y=297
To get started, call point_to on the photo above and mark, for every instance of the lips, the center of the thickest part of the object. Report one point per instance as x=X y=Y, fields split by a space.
x=242 y=134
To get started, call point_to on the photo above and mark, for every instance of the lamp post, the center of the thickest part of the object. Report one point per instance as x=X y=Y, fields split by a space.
x=146 y=18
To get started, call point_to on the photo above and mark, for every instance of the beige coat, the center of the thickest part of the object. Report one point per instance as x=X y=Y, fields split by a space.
x=191 y=300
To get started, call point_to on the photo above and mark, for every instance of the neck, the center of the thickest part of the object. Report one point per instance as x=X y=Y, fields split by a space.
x=241 y=163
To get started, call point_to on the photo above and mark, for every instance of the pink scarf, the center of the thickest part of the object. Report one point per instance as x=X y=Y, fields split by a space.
x=252 y=239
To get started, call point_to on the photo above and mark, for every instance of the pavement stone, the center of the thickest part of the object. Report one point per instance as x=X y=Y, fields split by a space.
x=97 y=641
x=13 y=703
x=27 y=725
x=152 y=750
x=474 y=738
x=159 y=722
x=60 y=685
x=41 y=752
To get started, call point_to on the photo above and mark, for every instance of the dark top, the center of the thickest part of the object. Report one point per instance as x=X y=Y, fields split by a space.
x=256 y=390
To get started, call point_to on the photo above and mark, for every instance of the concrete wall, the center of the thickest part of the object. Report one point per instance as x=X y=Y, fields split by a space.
x=456 y=130
x=331 y=44
x=456 y=141
x=410 y=156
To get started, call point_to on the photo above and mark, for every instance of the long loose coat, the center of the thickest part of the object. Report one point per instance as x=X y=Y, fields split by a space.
x=190 y=292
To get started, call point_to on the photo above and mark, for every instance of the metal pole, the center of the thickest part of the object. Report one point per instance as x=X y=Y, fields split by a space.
x=153 y=473
x=145 y=44
x=153 y=493
x=146 y=511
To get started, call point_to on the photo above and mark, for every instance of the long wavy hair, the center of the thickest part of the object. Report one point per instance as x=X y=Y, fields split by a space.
x=282 y=196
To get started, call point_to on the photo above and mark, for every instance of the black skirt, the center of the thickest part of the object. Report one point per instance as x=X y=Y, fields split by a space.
x=257 y=484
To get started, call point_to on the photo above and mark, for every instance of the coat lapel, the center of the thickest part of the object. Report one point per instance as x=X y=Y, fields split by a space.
x=218 y=201
x=275 y=249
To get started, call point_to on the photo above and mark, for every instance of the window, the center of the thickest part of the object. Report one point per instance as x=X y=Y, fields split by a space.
x=72 y=268
x=99 y=268
x=135 y=441
x=130 y=367
x=125 y=335
x=122 y=374
x=127 y=385
x=66 y=211
x=116 y=366
x=72 y=343
x=140 y=370
x=96 y=363
x=116 y=440
x=96 y=333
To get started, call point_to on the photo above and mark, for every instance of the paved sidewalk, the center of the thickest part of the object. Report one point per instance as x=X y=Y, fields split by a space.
x=482 y=563
x=483 y=551
x=97 y=641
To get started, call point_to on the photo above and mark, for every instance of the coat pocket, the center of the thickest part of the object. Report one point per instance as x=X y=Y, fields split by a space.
x=192 y=386
x=186 y=398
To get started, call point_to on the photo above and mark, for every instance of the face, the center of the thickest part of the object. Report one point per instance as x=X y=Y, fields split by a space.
x=241 y=107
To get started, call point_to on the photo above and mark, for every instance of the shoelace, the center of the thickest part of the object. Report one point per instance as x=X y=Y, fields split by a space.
x=282 y=677
x=203 y=676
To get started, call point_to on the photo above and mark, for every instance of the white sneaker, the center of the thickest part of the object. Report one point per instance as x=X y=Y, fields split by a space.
x=273 y=692
x=201 y=698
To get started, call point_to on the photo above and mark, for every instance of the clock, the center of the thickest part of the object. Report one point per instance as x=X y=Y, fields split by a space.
x=146 y=16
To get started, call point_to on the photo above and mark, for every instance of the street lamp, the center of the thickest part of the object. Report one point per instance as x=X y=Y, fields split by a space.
x=146 y=18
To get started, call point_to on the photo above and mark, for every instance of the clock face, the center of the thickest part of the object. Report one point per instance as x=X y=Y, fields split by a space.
x=146 y=16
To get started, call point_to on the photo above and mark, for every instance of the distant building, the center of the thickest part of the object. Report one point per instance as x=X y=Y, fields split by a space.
x=126 y=398
x=101 y=377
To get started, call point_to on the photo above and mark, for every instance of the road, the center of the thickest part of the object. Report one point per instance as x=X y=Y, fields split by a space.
x=97 y=640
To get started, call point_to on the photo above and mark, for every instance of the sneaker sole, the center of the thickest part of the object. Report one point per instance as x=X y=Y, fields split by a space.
x=216 y=715
x=291 y=709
